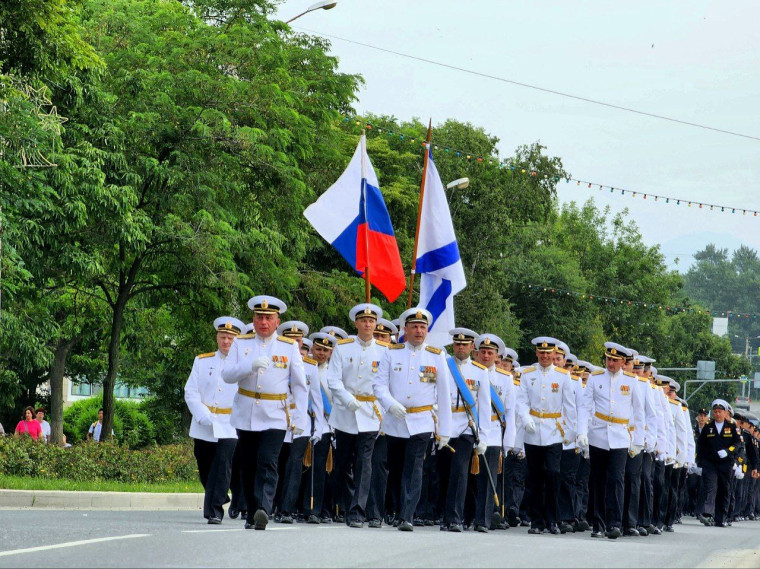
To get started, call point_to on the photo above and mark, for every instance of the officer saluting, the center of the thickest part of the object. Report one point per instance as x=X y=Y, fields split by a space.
x=210 y=402
x=611 y=405
x=265 y=368
x=355 y=415
x=413 y=377
x=717 y=447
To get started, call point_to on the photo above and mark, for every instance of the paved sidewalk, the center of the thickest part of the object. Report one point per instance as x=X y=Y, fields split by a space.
x=57 y=499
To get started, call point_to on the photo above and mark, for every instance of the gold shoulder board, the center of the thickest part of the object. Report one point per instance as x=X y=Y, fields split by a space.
x=246 y=336
x=574 y=377
x=600 y=372
x=345 y=341
x=208 y=355
x=310 y=361
x=644 y=379
x=286 y=340
x=434 y=350
x=629 y=374
x=528 y=369
x=397 y=346
x=480 y=365
x=383 y=344
x=502 y=371
x=561 y=370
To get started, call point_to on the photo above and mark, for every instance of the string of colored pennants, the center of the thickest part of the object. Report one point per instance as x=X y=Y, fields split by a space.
x=626 y=302
x=506 y=165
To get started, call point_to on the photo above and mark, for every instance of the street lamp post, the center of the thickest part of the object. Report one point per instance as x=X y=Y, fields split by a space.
x=459 y=184
x=324 y=5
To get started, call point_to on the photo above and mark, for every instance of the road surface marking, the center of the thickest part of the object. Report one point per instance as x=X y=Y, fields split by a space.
x=70 y=544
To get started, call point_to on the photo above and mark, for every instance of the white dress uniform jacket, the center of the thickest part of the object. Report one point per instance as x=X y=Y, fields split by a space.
x=578 y=390
x=661 y=447
x=519 y=427
x=208 y=397
x=476 y=378
x=612 y=404
x=690 y=444
x=324 y=387
x=650 y=412
x=284 y=375
x=668 y=426
x=353 y=367
x=311 y=372
x=543 y=394
x=682 y=431
x=415 y=376
x=503 y=384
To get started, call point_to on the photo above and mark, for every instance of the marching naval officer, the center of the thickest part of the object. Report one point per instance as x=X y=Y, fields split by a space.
x=266 y=369
x=210 y=402
x=612 y=404
x=355 y=415
x=413 y=378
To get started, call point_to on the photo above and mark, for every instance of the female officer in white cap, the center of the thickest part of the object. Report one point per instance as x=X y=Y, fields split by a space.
x=210 y=402
x=265 y=369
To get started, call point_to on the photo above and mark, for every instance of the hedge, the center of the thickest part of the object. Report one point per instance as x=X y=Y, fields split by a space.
x=132 y=427
x=22 y=456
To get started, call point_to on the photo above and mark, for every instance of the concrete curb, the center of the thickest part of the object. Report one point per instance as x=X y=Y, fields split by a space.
x=57 y=499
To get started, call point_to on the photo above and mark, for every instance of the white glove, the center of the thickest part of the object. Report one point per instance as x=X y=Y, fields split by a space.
x=669 y=461
x=315 y=438
x=520 y=454
x=582 y=441
x=648 y=447
x=397 y=410
x=698 y=471
x=442 y=442
x=585 y=453
x=206 y=420
x=722 y=453
x=481 y=447
x=530 y=426
x=353 y=404
x=260 y=362
x=635 y=450
x=739 y=473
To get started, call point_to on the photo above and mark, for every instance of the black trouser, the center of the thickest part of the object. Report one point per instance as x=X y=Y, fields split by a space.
x=608 y=472
x=378 y=480
x=215 y=468
x=582 y=480
x=354 y=450
x=426 y=506
x=484 y=502
x=292 y=479
x=405 y=461
x=682 y=493
x=236 y=483
x=646 y=498
x=543 y=483
x=259 y=453
x=673 y=496
x=632 y=490
x=567 y=501
x=716 y=478
x=514 y=474
x=317 y=492
x=661 y=486
x=453 y=470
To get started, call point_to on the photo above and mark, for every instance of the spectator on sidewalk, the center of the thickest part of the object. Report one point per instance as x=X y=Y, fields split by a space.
x=95 y=429
x=65 y=444
x=29 y=425
x=43 y=424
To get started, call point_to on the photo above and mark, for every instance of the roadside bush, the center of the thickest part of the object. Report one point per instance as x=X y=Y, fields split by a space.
x=97 y=461
x=166 y=421
x=131 y=425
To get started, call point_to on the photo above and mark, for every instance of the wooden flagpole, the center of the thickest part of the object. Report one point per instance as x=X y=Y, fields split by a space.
x=419 y=215
x=367 y=286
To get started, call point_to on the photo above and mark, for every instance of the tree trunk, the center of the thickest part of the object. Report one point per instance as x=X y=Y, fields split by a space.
x=109 y=382
x=57 y=370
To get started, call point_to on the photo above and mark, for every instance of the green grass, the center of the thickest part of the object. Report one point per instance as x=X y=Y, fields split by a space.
x=21 y=483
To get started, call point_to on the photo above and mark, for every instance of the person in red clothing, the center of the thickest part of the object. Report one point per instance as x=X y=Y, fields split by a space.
x=28 y=425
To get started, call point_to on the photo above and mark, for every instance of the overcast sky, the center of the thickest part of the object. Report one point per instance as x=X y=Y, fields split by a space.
x=695 y=61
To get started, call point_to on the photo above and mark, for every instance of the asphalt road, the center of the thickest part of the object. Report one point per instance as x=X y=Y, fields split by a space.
x=57 y=538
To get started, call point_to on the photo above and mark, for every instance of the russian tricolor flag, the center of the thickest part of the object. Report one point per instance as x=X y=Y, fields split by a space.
x=351 y=216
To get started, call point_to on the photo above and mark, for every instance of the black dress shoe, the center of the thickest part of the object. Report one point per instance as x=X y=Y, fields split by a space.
x=631 y=532
x=355 y=524
x=651 y=528
x=597 y=534
x=214 y=521
x=243 y=514
x=720 y=525
x=325 y=520
x=613 y=533
x=669 y=529
x=535 y=531
x=584 y=525
x=375 y=524
x=260 y=520
x=419 y=522
x=312 y=519
x=233 y=513
x=405 y=526
x=524 y=523
x=656 y=531
x=285 y=519
x=429 y=522
x=277 y=517
x=554 y=530
x=339 y=519
x=480 y=528
x=565 y=527
x=249 y=525
x=642 y=531
x=455 y=528
x=706 y=520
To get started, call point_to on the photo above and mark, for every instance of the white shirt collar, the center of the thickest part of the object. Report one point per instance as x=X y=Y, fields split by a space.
x=364 y=344
x=416 y=348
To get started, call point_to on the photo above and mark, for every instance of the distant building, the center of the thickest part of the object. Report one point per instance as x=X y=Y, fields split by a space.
x=82 y=389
